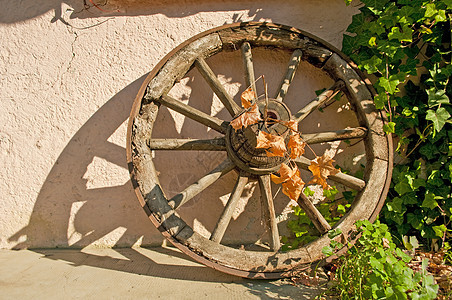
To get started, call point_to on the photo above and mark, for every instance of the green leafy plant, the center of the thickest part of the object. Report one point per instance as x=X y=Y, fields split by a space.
x=374 y=268
x=404 y=46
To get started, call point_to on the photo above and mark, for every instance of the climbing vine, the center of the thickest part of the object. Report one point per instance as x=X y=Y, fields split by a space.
x=404 y=46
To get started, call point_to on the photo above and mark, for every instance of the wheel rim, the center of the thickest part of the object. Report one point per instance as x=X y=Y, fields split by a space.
x=163 y=211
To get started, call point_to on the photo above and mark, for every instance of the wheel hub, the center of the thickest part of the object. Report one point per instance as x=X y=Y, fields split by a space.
x=241 y=144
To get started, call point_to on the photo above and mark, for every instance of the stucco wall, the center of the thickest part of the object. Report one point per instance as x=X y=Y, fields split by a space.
x=68 y=77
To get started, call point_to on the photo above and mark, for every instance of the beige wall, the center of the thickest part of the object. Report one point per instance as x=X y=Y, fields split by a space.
x=68 y=76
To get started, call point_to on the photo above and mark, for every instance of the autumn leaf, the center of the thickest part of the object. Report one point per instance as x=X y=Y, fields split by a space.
x=293 y=187
x=292 y=125
x=292 y=184
x=247 y=98
x=322 y=167
x=250 y=117
x=285 y=173
x=274 y=144
x=296 y=146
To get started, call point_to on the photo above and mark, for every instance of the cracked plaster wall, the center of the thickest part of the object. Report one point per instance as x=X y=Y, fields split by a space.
x=68 y=76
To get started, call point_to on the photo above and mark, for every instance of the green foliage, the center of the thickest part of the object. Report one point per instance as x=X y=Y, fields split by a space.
x=405 y=47
x=374 y=268
x=301 y=225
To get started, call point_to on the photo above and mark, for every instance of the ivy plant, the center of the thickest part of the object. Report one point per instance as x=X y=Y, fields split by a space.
x=375 y=268
x=405 y=48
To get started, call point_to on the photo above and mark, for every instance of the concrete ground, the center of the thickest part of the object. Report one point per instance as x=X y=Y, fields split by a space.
x=136 y=273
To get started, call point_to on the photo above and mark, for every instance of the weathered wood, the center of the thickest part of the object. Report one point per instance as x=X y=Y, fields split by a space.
x=191 y=191
x=294 y=62
x=372 y=189
x=216 y=144
x=361 y=99
x=275 y=36
x=324 y=97
x=345 y=179
x=216 y=86
x=312 y=212
x=269 y=211
x=247 y=57
x=344 y=134
x=247 y=260
x=180 y=63
x=194 y=114
x=225 y=218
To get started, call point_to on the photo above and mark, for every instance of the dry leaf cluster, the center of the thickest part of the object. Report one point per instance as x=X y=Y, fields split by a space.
x=275 y=145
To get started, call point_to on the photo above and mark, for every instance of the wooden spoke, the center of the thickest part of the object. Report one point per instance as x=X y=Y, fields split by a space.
x=194 y=114
x=311 y=211
x=344 y=134
x=216 y=144
x=249 y=67
x=345 y=179
x=324 y=97
x=269 y=211
x=216 y=86
x=290 y=74
x=223 y=222
x=197 y=187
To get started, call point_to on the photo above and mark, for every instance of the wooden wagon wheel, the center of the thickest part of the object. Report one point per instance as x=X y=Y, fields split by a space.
x=243 y=159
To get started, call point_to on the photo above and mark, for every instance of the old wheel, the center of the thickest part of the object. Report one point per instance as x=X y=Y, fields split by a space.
x=216 y=244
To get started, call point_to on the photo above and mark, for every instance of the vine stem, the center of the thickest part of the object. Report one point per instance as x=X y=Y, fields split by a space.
x=417 y=143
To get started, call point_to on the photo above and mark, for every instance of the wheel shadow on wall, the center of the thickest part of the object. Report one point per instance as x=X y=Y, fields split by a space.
x=14 y=11
x=73 y=209
x=71 y=214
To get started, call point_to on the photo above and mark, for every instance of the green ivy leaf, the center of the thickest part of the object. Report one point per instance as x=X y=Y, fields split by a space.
x=403 y=36
x=435 y=178
x=376 y=6
x=358 y=23
x=430 y=10
x=410 y=67
x=327 y=251
x=396 y=205
x=331 y=193
x=429 y=150
x=441 y=16
x=402 y=188
x=390 y=84
x=438 y=117
x=436 y=97
x=334 y=233
x=389 y=127
x=349 y=44
x=439 y=230
x=415 y=220
x=380 y=100
x=448 y=3
x=429 y=201
x=375 y=28
x=308 y=192
x=341 y=209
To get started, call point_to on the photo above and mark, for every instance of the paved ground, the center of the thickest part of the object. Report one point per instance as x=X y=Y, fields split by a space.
x=128 y=273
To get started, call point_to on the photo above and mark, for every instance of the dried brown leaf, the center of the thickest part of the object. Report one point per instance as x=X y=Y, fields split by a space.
x=285 y=173
x=292 y=184
x=247 y=98
x=322 y=167
x=274 y=144
x=296 y=146
x=292 y=125
x=247 y=118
